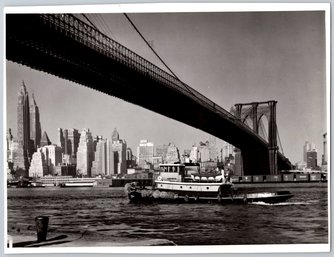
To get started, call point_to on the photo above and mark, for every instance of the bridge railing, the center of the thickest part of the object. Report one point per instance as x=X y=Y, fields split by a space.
x=82 y=32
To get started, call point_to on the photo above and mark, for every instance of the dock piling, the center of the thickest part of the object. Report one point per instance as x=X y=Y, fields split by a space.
x=41 y=227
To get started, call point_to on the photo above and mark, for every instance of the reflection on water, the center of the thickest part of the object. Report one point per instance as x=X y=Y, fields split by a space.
x=106 y=212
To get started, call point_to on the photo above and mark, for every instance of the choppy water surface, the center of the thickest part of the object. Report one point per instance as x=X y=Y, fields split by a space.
x=106 y=212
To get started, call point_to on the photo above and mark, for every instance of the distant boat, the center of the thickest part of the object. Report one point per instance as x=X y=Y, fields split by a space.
x=175 y=184
x=77 y=184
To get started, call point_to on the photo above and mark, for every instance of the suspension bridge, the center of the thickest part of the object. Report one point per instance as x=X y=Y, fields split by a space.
x=68 y=47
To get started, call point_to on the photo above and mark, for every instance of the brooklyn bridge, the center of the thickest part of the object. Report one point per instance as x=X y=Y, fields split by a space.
x=67 y=47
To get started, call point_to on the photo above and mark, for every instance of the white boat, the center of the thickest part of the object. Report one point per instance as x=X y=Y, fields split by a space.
x=79 y=183
x=178 y=179
x=176 y=183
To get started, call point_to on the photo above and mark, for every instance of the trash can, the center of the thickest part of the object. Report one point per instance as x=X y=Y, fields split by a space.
x=41 y=227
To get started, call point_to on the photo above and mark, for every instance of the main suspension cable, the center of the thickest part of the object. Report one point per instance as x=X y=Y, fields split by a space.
x=148 y=44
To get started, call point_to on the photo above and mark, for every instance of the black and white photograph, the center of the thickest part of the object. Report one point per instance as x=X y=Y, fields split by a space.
x=167 y=128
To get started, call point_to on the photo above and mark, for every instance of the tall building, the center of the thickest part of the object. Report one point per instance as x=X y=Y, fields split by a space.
x=130 y=158
x=9 y=140
x=110 y=159
x=38 y=165
x=311 y=159
x=73 y=142
x=145 y=152
x=204 y=151
x=115 y=135
x=324 y=156
x=53 y=157
x=161 y=151
x=35 y=125
x=213 y=150
x=45 y=140
x=66 y=149
x=68 y=140
x=118 y=148
x=239 y=165
x=23 y=152
x=307 y=147
x=85 y=154
x=60 y=139
x=194 y=154
x=186 y=152
x=45 y=161
x=23 y=117
x=173 y=155
x=99 y=166
x=228 y=150
x=17 y=155
x=186 y=155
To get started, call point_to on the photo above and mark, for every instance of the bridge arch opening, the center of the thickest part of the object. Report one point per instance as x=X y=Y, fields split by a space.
x=263 y=127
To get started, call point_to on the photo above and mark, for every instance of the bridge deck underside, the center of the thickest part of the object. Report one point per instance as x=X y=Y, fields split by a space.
x=31 y=43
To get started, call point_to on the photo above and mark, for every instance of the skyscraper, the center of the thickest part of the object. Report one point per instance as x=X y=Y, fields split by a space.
x=213 y=150
x=324 y=156
x=60 y=139
x=161 y=151
x=204 y=151
x=173 y=155
x=23 y=117
x=194 y=154
x=312 y=159
x=307 y=147
x=35 y=125
x=227 y=151
x=73 y=142
x=38 y=166
x=85 y=154
x=99 y=166
x=53 y=157
x=9 y=140
x=118 y=147
x=68 y=140
x=45 y=140
x=115 y=135
x=145 y=152
x=130 y=158
x=22 y=154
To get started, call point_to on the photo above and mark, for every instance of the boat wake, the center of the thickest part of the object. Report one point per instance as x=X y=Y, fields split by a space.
x=282 y=204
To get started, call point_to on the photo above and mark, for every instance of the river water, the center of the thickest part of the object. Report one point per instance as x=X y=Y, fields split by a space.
x=106 y=213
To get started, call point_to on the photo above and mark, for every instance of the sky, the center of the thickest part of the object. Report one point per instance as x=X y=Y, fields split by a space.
x=228 y=57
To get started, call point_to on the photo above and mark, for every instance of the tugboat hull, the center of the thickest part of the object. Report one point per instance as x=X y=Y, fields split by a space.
x=220 y=196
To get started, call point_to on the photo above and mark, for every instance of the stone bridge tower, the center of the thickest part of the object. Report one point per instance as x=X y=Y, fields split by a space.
x=255 y=111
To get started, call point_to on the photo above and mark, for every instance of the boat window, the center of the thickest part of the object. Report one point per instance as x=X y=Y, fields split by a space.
x=170 y=169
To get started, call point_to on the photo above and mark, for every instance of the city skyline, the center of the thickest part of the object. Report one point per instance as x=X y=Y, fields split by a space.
x=90 y=172
x=295 y=78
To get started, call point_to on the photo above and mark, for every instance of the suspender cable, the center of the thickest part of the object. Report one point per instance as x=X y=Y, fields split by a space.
x=147 y=43
x=279 y=140
x=107 y=28
x=91 y=23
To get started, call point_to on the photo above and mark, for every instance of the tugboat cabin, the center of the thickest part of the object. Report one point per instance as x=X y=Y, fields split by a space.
x=186 y=172
x=172 y=172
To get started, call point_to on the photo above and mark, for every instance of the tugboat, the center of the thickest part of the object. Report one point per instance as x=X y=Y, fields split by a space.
x=177 y=184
